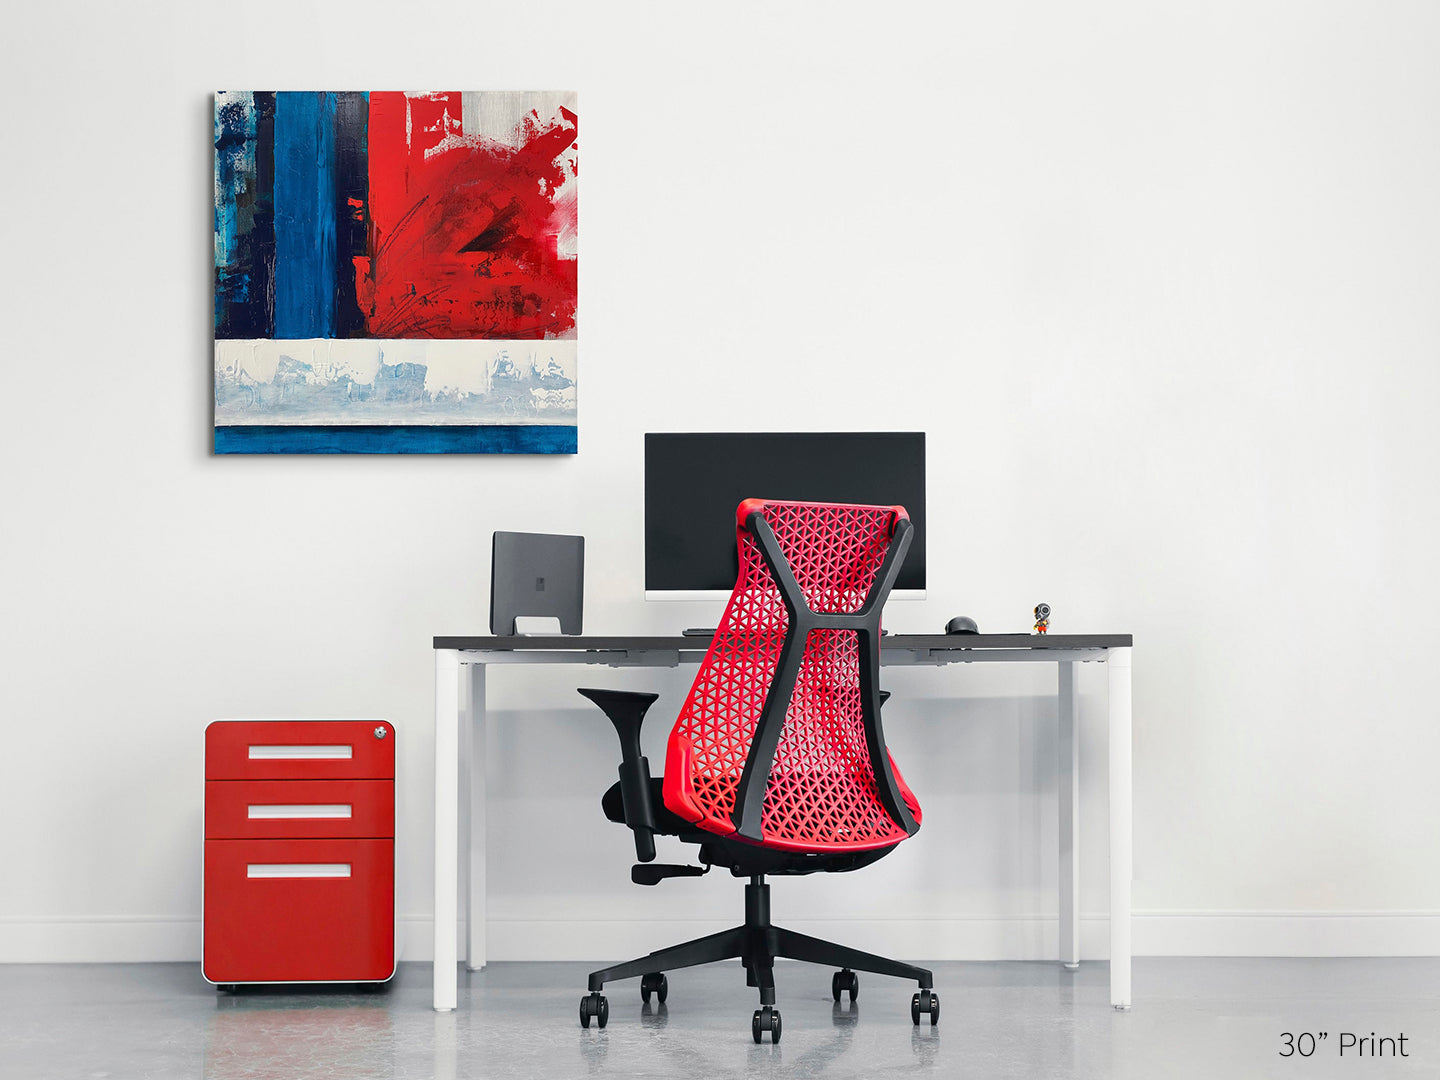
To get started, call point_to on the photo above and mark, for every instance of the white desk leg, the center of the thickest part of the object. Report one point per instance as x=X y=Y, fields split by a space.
x=1069 y=798
x=475 y=909
x=1118 y=668
x=464 y=750
x=447 y=823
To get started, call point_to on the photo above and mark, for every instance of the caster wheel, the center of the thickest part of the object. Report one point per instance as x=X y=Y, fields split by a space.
x=842 y=981
x=594 y=1006
x=766 y=1019
x=926 y=1001
x=655 y=984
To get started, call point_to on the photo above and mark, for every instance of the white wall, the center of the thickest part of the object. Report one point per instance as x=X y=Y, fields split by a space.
x=1159 y=284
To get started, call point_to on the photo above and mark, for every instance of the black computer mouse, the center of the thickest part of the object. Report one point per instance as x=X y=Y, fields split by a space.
x=961 y=624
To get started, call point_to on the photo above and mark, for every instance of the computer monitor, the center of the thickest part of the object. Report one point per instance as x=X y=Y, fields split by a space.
x=694 y=482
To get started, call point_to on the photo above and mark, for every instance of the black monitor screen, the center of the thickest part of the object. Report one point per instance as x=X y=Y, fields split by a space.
x=694 y=482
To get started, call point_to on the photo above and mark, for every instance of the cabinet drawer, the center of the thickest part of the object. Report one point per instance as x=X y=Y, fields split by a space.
x=299 y=910
x=300 y=750
x=299 y=809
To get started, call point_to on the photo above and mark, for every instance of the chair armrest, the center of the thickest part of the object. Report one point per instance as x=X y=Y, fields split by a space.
x=626 y=711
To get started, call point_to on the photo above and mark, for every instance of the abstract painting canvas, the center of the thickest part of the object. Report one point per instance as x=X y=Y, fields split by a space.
x=395 y=272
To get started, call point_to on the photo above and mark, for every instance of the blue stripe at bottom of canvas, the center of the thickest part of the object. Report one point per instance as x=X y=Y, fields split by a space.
x=396 y=439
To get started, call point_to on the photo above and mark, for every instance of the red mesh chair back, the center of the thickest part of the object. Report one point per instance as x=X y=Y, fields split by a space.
x=779 y=741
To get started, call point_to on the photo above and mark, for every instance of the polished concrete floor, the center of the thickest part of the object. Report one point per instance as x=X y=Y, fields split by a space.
x=1217 y=1018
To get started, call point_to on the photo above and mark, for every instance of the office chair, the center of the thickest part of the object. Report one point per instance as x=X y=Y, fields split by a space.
x=777 y=763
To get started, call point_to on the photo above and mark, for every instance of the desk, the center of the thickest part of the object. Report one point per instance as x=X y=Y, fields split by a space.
x=460 y=762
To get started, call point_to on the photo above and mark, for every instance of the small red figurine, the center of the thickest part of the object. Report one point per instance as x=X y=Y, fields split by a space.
x=1042 y=618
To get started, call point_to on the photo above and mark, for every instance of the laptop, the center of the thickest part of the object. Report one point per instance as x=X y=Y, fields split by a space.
x=536 y=576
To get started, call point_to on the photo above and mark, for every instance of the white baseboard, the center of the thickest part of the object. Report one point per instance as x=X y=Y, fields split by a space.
x=99 y=939
x=1286 y=933
x=120 y=939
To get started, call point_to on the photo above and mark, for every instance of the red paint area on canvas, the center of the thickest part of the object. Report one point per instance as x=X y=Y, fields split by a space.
x=465 y=231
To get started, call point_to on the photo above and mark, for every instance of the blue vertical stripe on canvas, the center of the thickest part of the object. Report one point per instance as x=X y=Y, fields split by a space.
x=352 y=199
x=304 y=215
x=234 y=170
x=244 y=215
x=261 y=313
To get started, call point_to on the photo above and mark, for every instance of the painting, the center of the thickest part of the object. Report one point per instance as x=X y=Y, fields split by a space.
x=395 y=272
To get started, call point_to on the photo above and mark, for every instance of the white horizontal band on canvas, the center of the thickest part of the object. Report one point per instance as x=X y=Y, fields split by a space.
x=361 y=381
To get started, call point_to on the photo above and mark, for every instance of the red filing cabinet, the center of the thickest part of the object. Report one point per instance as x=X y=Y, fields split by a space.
x=299 y=882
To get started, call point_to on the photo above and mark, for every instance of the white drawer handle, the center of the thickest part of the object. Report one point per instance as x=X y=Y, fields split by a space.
x=313 y=810
x=297 y=870
x=296 y=753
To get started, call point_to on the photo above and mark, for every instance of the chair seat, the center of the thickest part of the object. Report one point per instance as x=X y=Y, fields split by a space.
x=741 y=858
